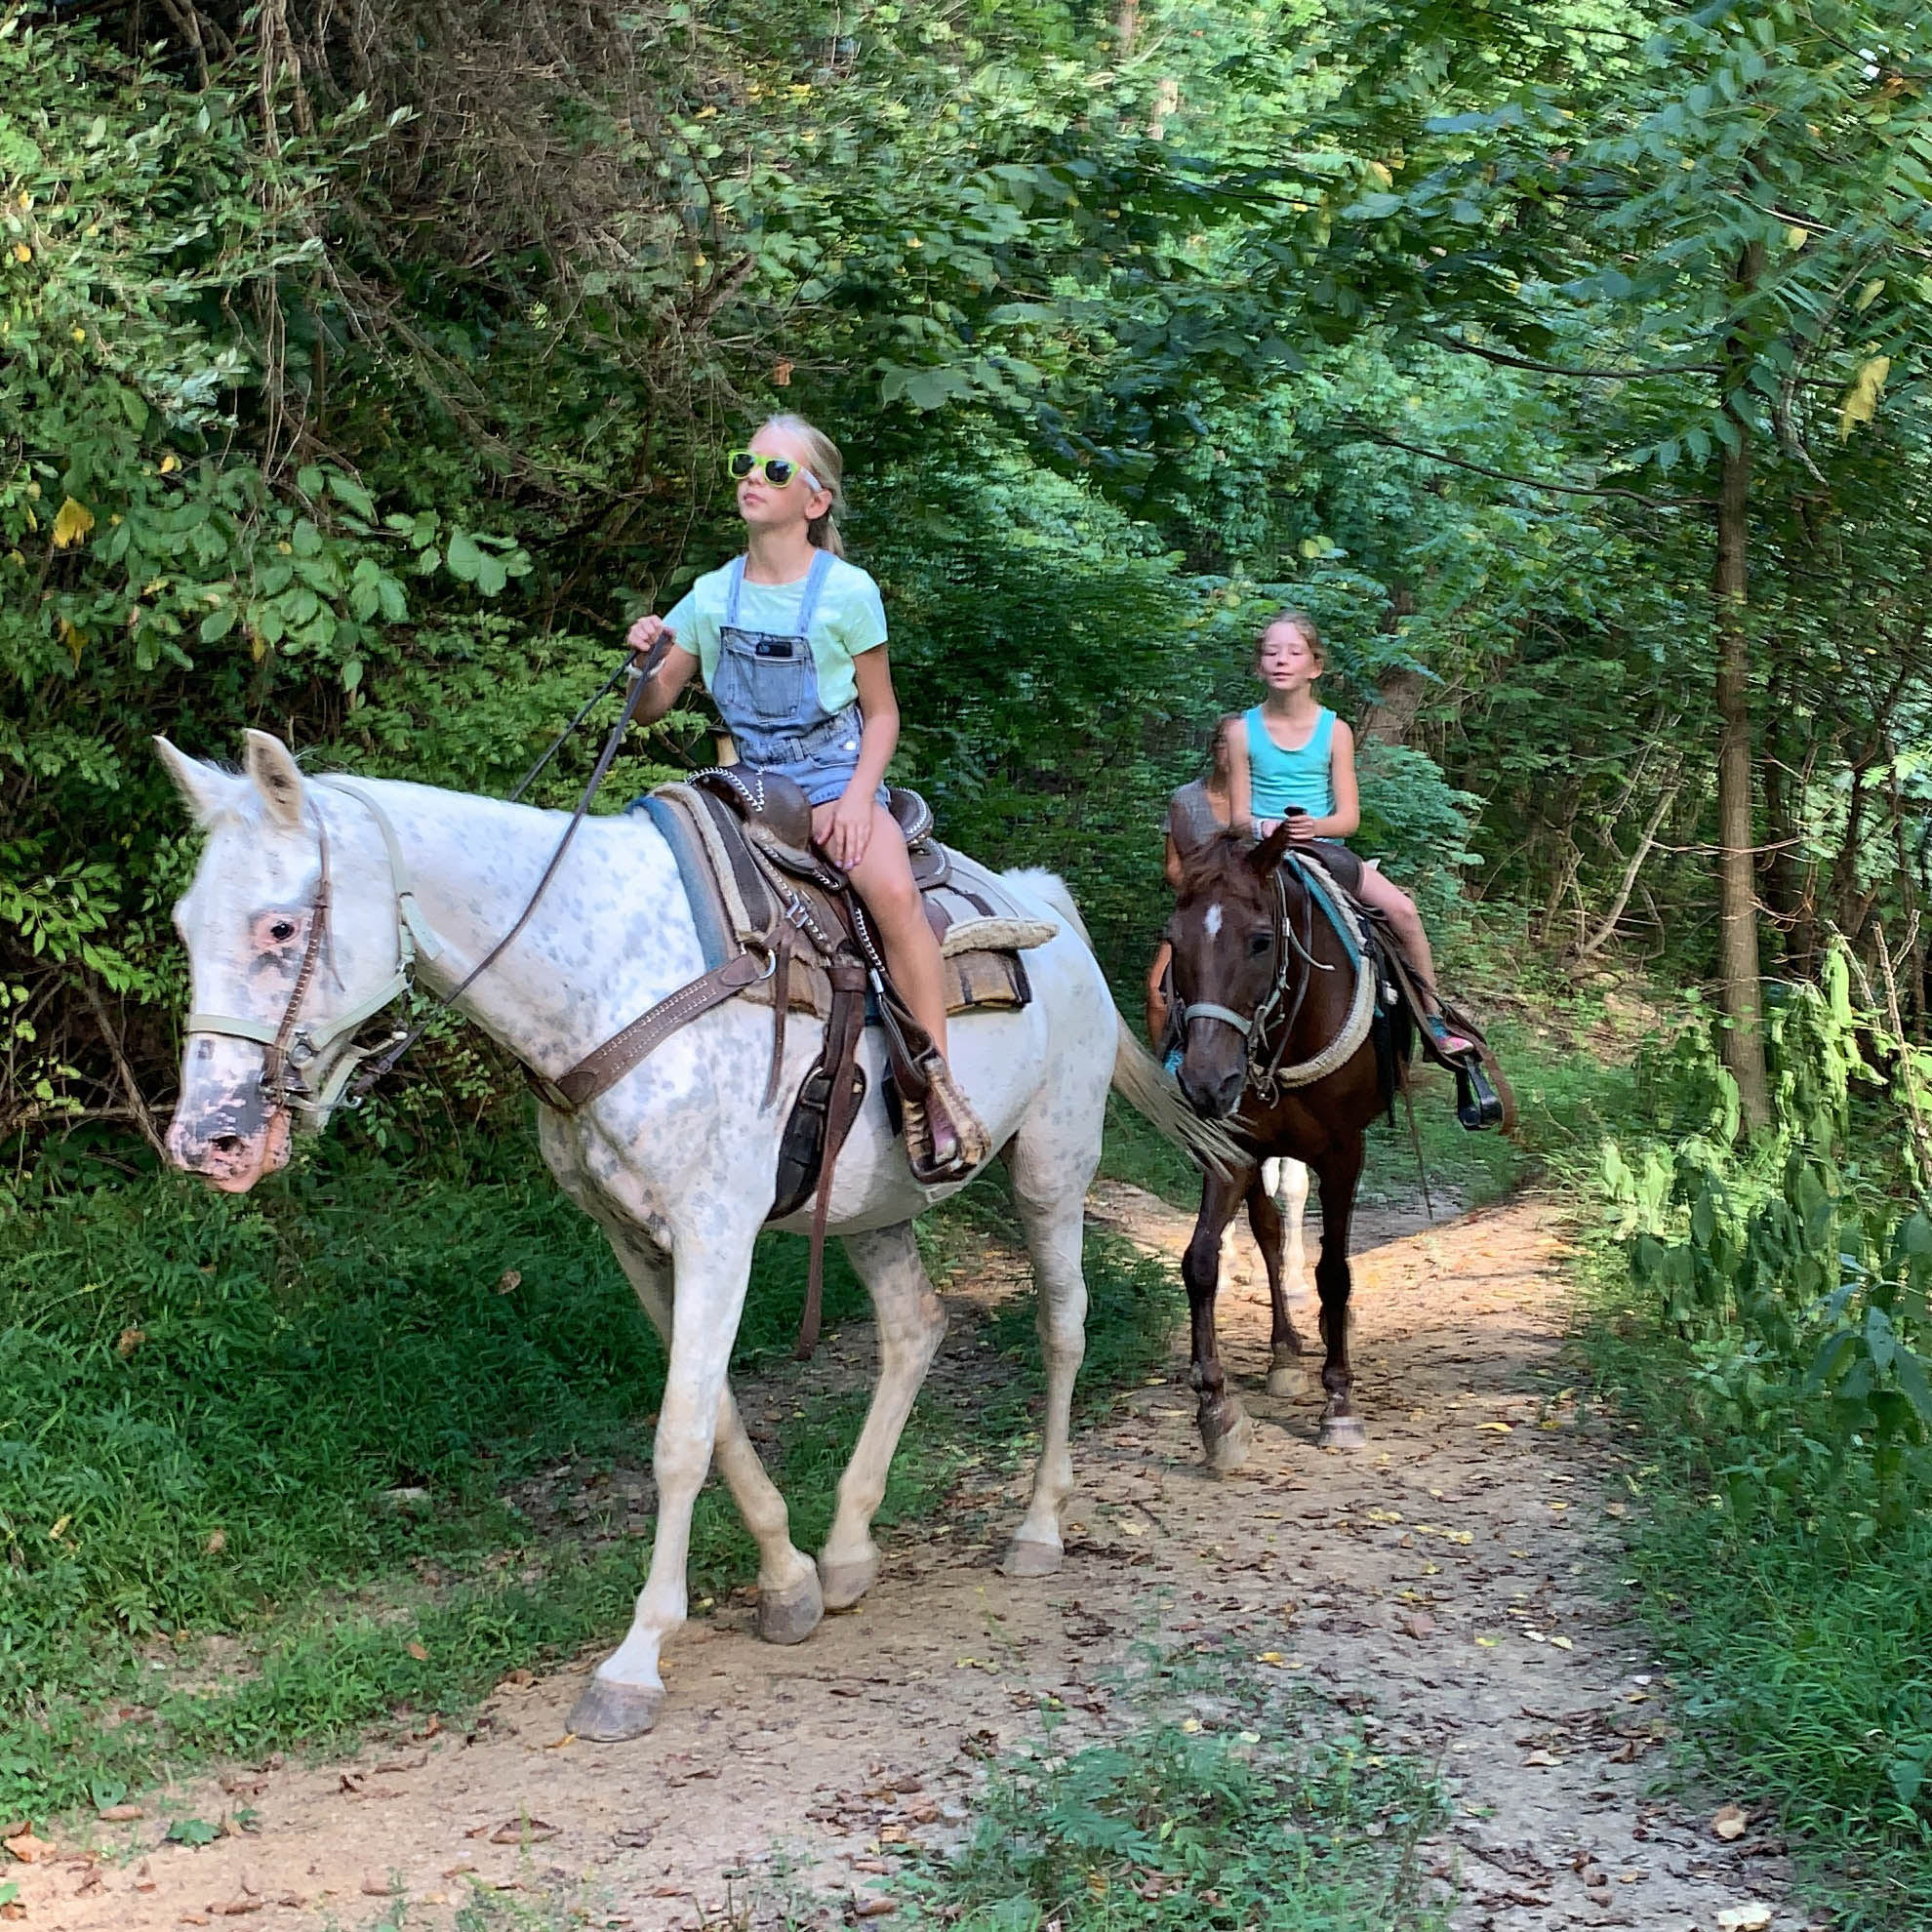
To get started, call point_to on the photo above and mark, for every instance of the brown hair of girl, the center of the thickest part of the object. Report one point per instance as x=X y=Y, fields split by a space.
x=1303 y=622
x=828 y=467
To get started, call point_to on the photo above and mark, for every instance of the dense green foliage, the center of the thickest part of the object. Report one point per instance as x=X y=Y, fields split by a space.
x=1768 y=1328
x=340 y=394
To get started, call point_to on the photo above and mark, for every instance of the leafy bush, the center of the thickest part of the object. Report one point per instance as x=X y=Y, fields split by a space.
x=1791 y=1270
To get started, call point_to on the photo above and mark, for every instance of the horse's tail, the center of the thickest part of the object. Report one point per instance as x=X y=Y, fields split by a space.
x=1137 y=1077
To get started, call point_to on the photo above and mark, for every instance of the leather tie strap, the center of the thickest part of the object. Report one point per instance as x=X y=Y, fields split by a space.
x=844 y=1026
x=598 y=1071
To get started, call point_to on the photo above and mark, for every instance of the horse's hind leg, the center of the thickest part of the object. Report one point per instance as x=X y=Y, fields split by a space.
x=912 y=1326
x=790 y=1605
x=1226 y=1432
x=1284 y=1341
x=1341 y=1426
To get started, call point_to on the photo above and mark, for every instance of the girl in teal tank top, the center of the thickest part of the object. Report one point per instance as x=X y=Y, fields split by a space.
x=1284 y=781
x=1291 y=758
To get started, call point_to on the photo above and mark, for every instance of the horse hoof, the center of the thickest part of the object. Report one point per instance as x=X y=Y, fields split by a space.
x=1284 y=1378
x=607 y=1711
x=844 y=1583
x=1027 y=1557
x=1342 y=1433
x=1229 y=1447
x=791 y=1615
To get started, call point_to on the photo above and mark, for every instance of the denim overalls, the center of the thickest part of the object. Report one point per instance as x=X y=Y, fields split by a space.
x=766 y=687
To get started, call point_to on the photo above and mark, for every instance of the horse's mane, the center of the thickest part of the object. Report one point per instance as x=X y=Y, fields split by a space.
x=1219 y=863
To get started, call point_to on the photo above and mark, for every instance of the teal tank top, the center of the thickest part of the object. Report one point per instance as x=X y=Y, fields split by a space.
x=1279 y=779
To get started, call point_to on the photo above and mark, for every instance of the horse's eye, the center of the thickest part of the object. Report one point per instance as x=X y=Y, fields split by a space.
x=282 y=929
x=1259 y=943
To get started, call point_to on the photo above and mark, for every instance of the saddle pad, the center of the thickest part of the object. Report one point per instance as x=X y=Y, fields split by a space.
x=731 y=905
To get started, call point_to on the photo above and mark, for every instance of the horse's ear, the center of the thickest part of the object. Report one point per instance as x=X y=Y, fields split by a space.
x=203 y=787
x=276 y=777
x=1271 y=852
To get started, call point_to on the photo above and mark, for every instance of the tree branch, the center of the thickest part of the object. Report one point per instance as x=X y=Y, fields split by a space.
x=1369 y=433
x=1509 y=361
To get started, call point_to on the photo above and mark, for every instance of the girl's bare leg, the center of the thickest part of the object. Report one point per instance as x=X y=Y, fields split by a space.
x=1395 y=905
x=884 y=881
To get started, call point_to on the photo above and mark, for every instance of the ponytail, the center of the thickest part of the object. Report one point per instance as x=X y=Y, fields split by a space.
x=828 y=467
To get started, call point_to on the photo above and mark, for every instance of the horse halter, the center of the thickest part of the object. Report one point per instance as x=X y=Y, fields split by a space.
x=291 y=1047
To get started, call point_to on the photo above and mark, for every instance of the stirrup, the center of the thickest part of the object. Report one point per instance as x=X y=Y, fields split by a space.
x=945 y=1140
x=1478 y=1103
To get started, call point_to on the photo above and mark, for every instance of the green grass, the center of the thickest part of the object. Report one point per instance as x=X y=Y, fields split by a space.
x=205 y=1405
x=1804 y=1666
x=1257 y=1808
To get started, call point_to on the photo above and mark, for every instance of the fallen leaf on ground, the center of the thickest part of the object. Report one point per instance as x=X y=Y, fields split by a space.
x=1562 y=1643
x=1752 y=1918
x=374 y=1887
x=119 y=1814
x=1418 y=1623
x=517 y=1680
x=521 y=1831
x=415 y=1764
x=1493 y=1428
x=29 y=1849
x=1542 y=1758
x=1728 y=1822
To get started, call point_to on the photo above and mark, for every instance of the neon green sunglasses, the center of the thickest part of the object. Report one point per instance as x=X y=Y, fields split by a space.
x=777 y=472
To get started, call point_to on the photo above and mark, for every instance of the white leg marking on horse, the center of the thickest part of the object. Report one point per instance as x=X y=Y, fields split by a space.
x=1291 y=1193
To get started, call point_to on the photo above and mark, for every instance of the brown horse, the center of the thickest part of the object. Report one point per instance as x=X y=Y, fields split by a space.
x=1269 y=996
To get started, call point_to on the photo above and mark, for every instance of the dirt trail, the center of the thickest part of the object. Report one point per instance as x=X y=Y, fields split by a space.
x=1447 y=1582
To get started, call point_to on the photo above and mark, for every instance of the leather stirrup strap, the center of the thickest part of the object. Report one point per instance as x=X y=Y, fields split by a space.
x=844 y=1026
x=601 y=1069
x=780 y=1000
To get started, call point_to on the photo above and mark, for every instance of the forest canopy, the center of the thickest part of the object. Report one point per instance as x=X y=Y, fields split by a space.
x=365 y=367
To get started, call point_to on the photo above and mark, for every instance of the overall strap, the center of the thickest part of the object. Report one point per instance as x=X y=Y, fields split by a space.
x=815 y=582
x=734 y=582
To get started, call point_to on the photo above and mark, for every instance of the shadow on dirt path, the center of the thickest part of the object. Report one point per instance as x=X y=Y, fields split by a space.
x=1449 y=1584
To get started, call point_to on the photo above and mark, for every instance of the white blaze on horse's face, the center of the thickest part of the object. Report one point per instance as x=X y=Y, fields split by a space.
x=245 y=923
x=1213 y=920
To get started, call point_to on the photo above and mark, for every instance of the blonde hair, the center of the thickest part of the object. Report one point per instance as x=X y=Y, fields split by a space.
x=1303 y=622
x=828 y=469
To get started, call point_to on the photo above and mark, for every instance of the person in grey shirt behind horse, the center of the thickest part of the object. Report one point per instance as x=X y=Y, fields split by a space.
x=1195 y=813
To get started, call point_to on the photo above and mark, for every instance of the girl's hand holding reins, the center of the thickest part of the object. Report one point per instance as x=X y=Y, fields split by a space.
x=849 y=831
x=643 y=635
x=1301 y=828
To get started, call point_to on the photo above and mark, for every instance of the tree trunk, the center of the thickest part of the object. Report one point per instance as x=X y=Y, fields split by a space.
x=1737 y=896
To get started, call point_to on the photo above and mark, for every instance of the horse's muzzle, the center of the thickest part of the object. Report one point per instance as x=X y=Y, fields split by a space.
x=231 y=1143
x=1213 y=1094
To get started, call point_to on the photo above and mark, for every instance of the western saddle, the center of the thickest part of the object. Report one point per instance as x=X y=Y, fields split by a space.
x=780 y=924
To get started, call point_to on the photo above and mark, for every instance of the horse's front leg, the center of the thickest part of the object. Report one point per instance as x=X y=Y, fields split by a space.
x=790 y=1605
x=1226 y=1432
x=911 y=1325
x=712 y=1266
x=1284 y=1377
x=1338 y=1175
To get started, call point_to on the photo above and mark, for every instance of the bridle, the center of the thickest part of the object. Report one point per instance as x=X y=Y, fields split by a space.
x=293 y=1046
x=1275 y=1015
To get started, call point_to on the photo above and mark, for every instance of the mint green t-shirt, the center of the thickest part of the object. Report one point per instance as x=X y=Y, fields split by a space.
x=849 y=621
